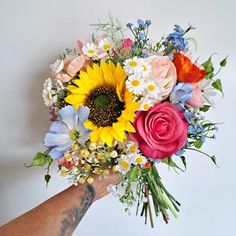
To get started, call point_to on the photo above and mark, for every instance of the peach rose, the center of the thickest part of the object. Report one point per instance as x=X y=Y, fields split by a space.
x=164 y=72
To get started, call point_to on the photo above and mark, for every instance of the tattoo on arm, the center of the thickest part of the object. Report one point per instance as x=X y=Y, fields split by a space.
x=73 y=216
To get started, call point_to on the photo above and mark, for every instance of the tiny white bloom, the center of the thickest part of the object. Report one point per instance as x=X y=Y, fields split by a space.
x=132 y=147
x=133 y=65
x=59 y=85
x=146 y=69
x=105 y=44
x=57 y=66
x=48 y=97
x=90 y=49
x=124 y=164
x=113 y=153
x=135 y=84
x=153 y=90
x=48 y=84
x=138 y=159
x=145 y=104
x=208 y=91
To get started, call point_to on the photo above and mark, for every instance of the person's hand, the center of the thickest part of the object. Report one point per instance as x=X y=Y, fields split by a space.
x=100 y=184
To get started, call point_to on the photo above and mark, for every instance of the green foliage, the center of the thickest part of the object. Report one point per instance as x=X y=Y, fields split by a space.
x=217 y=85
x=168 y=161
x=209 y=68
x=198 y=143
x=40 y=159
x=205 y=108
x=224 y=62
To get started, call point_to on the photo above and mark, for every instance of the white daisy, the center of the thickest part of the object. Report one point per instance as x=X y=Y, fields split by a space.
x=208 y=91
x=106 y=44
x=124 y=164
x=47 y=84
x=133 y=65
x=153 y=90
x=90 y=49
x=138 y=159
x=145 y=104
x=135 y=84
x=146 y=69
x=132 y=147
x=48 y=97
x=57 y=66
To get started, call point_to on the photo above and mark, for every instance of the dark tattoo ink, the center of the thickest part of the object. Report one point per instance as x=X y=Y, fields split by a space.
x=73 y=216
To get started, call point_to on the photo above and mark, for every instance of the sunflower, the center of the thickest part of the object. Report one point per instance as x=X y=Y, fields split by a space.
x=112 y=107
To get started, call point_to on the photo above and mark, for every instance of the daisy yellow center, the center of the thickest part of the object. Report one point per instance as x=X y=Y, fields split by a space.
x=139 y=159
x=144 y=68
x=151 y=87
x=74 y=134
x=133 y=148
x=133 y=63
x=124 y=164
x=91 y=51
x=146 y=107
x=135 y=83
x=106 y=47
x=105 y=106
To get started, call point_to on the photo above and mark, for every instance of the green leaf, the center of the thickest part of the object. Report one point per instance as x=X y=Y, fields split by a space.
x=205 y=108
x=40 y=159
x=134 y=174
x=224 y=62
x=209 y=68
x=47 y=178
x=184 y=161
x=213 y=158
x=168 y=161
x=198 y=143
x=217 y=85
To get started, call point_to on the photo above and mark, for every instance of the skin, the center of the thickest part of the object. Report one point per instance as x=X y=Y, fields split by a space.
x=59 y=215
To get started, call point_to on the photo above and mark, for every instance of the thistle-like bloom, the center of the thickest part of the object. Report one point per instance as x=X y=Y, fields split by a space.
x=67 y=130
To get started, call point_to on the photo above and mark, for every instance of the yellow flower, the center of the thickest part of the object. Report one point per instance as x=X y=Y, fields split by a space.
x=112 y=107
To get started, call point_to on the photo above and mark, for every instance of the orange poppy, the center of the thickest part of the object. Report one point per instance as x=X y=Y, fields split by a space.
x=187 y=71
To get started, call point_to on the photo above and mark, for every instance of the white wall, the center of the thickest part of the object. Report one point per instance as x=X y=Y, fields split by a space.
x=32 y=33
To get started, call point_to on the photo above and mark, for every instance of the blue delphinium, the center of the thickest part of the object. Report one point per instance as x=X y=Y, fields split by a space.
x=176 y=40
x=180 y=94
x=68 y=129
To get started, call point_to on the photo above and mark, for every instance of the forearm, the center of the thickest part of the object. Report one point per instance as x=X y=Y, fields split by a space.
x=57 y=216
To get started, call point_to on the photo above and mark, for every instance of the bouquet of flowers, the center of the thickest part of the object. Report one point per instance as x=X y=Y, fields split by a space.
x=129 y=105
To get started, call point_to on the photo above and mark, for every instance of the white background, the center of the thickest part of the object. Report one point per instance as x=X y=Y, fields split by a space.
x=32 y=33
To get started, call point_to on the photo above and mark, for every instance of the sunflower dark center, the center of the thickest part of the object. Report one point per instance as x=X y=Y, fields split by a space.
x=105 y=106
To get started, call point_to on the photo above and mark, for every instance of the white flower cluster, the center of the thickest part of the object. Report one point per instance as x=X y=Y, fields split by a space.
x=132 y=156
x=98 y=50
x=139 y=71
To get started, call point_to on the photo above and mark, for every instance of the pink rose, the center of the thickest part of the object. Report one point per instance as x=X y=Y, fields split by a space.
x=164 y=72
x=71 y=68
x=161 y=131
x=126 y=47
x=197 y=99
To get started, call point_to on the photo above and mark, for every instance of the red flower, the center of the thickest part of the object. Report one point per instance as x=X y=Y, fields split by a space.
x=187 y=71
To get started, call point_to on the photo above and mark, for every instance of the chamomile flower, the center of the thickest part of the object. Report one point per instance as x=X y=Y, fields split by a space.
x=135 y=84
x=106 y=44
x=124 y=164
x=133 y=65
x=132 y=147
x=146 y=69
x=153 y=90
x=145 y=104
x=49 y=96
x=90 y=49
x=138 y=159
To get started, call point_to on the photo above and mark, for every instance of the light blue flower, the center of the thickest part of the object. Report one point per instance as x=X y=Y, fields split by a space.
x=181 y=93
x=141 y=23
x=148 y=22
x=68 y=129
x=176 y=40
